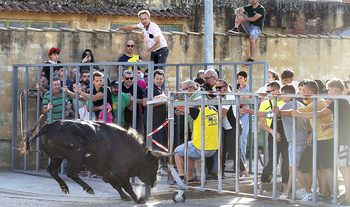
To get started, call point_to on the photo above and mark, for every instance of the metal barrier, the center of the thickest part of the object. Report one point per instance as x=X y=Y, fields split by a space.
x=38 y=67
x=17 y=69
x=173 y=101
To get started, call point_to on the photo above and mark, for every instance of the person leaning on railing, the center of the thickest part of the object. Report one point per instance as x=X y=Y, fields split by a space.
x=336 y=87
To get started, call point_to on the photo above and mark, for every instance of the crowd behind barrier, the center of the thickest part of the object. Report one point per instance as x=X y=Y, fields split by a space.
x=59 y=100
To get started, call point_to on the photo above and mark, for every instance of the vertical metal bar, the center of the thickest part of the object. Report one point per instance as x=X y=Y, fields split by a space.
x=256 y=146
x=64 y=96
x=77 y=78
x=171 y=128
x=149 y=115
x=209 y=33
x=266 y=72
x=64 y=104
x=177 y=116
x=274 y=150
x=250 y=122
x=120 y=87
x=294 y=142
x=91 y=92
x=191 y=72
x=237 y=161
x=51 y=93
x=14 y=116
x=220 y=144
x=202 y=140
x=134 y=103
x=335 y=155
x=186 y=138
x=105 y=85
x=235 y=77
x=220 y=71
x=25 y=114
x=37 y=142
x=314 y=154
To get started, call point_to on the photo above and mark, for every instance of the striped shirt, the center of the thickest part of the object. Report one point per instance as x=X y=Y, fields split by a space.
x=57 y=104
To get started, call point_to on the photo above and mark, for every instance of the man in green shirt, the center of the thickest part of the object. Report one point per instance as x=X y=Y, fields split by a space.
x=57 y=99
x=252 y=19
x=125 y=102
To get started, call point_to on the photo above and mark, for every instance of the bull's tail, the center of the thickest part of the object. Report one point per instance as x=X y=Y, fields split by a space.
x=29 y=135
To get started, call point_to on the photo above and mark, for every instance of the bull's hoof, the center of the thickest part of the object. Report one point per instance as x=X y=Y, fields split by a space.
x=90 y=191
x=141 y=201
x=65 y=189
x=126 y=198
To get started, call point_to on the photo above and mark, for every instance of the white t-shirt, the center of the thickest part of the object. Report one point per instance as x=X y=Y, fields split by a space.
x=225 y=123
x=154 y=30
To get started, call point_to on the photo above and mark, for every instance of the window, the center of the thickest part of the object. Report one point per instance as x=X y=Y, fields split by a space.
x=18 y=24
x=31 y=24
x=3 y=24
x=166 y=28
x=39 y=25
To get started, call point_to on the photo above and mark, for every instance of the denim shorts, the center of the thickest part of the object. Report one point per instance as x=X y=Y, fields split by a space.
x=300 y=151
x=251 y=29
x=193 y=152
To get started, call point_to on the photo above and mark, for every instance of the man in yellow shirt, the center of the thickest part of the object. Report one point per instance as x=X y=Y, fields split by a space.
x=325 y=141
x=265 y=119
x=211 y=124
x=129 y=56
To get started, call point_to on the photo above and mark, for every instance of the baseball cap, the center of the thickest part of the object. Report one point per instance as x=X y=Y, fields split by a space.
x=114 y=83
x=53 y=50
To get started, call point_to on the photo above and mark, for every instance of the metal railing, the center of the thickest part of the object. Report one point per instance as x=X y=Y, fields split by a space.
x=173 y=101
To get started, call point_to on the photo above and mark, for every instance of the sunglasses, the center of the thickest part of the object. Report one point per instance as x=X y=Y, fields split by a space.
x=269 y=91
x=130 y=45
x=129 y=78
x=220 y=87
x=85 y=76
x=207 y=78
x=145 y=76
x=151 y=36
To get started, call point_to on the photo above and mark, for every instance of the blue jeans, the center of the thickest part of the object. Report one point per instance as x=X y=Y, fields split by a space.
x=243 y=137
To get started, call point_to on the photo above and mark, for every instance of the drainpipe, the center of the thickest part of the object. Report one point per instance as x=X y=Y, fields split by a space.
x=208 y=31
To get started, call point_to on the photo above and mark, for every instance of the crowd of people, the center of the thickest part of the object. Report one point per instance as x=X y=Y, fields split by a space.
x=208 y=80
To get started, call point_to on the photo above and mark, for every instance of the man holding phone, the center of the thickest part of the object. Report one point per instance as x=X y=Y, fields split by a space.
x=156 y=42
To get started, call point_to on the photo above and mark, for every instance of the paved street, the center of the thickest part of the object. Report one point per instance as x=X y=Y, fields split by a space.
x=18 y=189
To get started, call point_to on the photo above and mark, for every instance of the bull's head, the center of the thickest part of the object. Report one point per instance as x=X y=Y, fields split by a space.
x=149 y=173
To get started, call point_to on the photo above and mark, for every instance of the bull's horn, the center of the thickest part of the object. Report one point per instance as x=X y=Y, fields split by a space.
x=158 y=153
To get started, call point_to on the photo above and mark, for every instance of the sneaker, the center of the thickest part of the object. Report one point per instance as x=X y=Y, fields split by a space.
x=234 y=30
x=260 y=191
x=301 y=193
x=249 y=60
x=308 y=197
x=283 y=196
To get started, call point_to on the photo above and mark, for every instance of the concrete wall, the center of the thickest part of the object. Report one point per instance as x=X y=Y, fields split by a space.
x=309 y=56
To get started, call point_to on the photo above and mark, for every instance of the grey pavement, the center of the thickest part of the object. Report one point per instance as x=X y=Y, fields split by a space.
x=17 y=189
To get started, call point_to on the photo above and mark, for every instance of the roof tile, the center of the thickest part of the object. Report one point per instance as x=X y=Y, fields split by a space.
x=90 y=10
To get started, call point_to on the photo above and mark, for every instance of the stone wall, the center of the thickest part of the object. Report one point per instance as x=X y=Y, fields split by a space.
x=312 y=57
x=282 y=16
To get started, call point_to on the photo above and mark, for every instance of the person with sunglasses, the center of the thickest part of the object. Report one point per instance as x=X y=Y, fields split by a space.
x=129 y=55
x=156 y=42
x=128 y=88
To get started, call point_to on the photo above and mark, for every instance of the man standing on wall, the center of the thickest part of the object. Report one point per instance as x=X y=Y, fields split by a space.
x=252 y=22
x=156 y=42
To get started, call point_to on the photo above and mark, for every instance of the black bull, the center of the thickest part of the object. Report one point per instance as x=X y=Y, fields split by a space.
x=104 y=149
